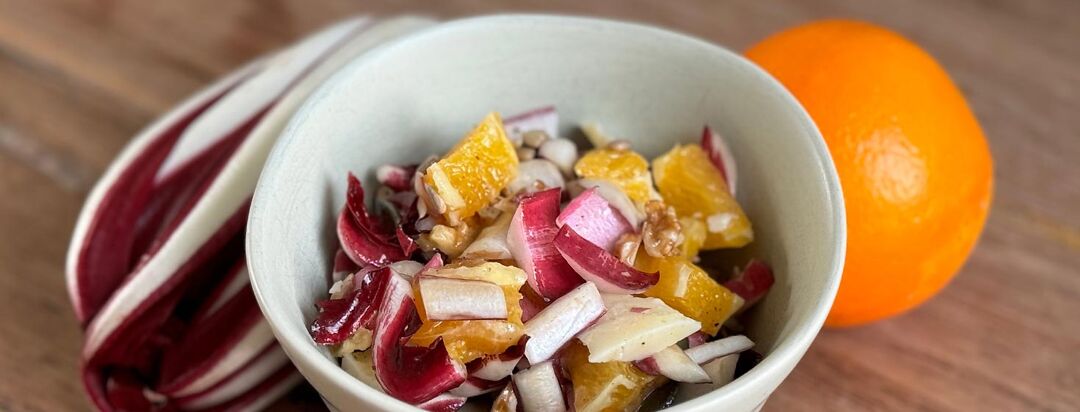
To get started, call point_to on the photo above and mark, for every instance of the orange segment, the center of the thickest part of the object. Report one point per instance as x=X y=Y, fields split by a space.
x=624 y=168
x=609 y=386
x=476 y=169
x=694 y=234
x=470 y=339
x=692 y=185
x=689 y=289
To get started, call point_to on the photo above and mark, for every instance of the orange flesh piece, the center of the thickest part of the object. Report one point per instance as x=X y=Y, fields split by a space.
x=691 y=184
x=471 y=175
x=466 y=340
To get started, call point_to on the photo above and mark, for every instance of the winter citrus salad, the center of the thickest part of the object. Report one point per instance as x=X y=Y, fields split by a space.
x=513 y=270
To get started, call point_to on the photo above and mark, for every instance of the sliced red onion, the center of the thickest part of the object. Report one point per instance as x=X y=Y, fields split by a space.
x=719 y=348
x=410 y=373
x=461 y=299
x=397 y=178
x=752 y=283
x=563 y=319
x=596 y=265
x=539 y=389
x=720 y=155
x=491 y=244
x=496 y=367
x=672 y=363
x=545 y=119
x=617 y=199
x=530 y=236
x=446 y=402
x=592 y=217
x=339 y=318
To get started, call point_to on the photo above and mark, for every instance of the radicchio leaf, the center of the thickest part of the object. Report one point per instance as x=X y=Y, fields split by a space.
x=594 y=264
x=530 y=236
x=412 y=374
x=366 y=240
x=397 y=178
x=340 y=318
x=752 y=283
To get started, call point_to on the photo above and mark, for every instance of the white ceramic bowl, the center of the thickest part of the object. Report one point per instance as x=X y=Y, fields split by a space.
x=419 y=95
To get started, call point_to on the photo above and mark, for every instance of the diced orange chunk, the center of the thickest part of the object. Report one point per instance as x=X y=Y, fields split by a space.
x=694 y=234
x=691 y=184
x=613 y=386
x=469 y=177
x=690 y=290
x=624 y=168
x=470 y=339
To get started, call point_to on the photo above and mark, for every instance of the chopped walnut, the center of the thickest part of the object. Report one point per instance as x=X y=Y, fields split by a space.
x=505 y=203
x=451 y=240
x=661 y=232
x=626 y=247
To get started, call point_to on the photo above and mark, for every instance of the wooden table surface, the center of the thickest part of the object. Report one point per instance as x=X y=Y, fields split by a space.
x=79 y=77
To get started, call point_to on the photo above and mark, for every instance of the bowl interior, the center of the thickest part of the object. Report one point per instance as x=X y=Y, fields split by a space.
x=418 y=96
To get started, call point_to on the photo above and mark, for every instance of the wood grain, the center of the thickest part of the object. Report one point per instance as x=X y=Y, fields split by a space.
x=79 y=77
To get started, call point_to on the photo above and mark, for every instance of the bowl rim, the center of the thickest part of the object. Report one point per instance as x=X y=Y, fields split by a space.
x=785 y=353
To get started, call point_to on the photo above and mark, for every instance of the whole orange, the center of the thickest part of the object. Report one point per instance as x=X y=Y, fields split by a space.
x=913 y=163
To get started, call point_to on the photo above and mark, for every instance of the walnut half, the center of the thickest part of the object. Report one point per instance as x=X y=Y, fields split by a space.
x=661 y=232
x=451 y=240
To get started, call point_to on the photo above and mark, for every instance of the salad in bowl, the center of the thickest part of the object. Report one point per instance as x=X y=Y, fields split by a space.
x=526 y=272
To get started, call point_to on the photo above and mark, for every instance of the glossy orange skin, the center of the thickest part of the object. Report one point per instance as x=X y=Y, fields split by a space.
x=913 y=162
